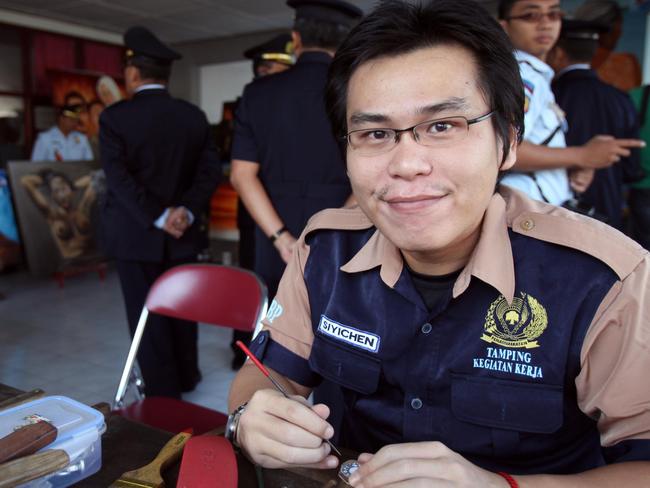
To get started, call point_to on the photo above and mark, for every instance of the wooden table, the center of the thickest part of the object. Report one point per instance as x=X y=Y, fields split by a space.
x=128 y=445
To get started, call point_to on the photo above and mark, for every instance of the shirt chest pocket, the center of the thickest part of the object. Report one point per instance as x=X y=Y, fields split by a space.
x=505 y=404
x=344 y=366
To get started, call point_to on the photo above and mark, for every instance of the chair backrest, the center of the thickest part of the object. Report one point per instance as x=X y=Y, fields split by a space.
x=209 y=293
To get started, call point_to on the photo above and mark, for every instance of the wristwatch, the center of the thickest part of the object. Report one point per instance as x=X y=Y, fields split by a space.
x=233 y=424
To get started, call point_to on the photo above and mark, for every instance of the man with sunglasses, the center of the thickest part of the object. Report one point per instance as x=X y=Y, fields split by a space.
x=480 y=338
x=544 y=163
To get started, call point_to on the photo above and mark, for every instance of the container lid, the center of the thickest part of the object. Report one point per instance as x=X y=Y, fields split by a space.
x=78 y=425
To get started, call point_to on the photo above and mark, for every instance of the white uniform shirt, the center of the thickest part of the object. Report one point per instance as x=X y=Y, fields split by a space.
x=52 y=145
x=542 y=117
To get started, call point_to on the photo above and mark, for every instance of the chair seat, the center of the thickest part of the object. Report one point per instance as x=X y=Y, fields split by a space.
x=173 y=415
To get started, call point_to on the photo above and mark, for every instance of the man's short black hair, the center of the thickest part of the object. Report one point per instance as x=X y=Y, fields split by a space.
x=151 y=70
x=504 y=8
x=395 y=28
x=320 y=34
x=578 y=50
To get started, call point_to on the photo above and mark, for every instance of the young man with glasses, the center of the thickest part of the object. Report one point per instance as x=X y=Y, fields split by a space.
x=474 y=333
x=544 y=162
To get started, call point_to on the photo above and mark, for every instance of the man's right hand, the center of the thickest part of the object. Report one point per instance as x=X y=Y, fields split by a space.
x=603 y=151
x=279 y=432
x=284 y=245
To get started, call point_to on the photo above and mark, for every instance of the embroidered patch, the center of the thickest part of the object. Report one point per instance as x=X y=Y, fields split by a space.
x=355 y=337
x=275 y=310
x=517 y=324
x=529 y=87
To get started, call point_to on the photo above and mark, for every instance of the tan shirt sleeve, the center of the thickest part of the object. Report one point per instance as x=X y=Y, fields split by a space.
x=289 y=316
x=614 y=383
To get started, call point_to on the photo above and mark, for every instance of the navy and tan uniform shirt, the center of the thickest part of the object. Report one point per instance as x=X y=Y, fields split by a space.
x=282 y=125
x=537 y=361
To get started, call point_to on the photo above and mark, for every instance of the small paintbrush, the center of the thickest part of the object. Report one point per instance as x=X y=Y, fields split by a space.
x=277 y=385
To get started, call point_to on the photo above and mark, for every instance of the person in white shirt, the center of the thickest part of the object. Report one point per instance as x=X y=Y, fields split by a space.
x=64 y=142
x=546 y=169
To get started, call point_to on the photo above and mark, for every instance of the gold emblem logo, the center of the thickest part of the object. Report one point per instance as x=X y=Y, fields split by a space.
x=517 y=324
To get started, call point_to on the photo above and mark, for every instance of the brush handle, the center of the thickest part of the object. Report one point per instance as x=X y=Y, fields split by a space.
x=150 y=474
x=26 y=440
x=31 y=467
x=21 y=398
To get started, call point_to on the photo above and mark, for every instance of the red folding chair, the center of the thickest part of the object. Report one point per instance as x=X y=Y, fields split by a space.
x=205 y=293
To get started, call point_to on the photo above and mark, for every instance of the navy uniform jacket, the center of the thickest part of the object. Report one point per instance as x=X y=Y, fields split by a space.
x=281 y=124
x=157 y=152
x=593 y=107
x=536 y=362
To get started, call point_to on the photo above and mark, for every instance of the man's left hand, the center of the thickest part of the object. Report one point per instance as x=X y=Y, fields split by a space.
x=581 y=178
x=421 y=464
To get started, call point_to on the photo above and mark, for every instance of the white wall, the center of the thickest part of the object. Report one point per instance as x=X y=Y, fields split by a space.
x=52 y=25
x=222 y=82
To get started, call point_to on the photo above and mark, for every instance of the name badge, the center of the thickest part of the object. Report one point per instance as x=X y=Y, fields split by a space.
x=345 y=333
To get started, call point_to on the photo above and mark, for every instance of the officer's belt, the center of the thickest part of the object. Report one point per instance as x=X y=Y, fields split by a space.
x=305 y=189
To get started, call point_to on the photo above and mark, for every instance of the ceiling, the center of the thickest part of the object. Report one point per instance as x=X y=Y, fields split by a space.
x=179 y=21
x=174 y=21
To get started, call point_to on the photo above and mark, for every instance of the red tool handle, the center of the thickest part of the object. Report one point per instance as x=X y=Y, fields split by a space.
x=252 y=357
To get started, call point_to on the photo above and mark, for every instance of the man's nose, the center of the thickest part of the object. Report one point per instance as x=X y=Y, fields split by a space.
x=409 y=159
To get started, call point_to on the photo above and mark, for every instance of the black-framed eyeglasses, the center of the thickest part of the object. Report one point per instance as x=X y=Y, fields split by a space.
x=536 y=17
x=441 y=132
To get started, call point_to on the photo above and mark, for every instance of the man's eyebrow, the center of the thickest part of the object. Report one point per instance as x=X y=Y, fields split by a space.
x=534 y=6
x=364 y=117
x=454 y=103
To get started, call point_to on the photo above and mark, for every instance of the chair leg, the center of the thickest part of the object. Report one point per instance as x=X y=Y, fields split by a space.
x=130 y=360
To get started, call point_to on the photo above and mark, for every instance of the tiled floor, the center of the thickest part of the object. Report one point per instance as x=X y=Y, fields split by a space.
x=73 y=341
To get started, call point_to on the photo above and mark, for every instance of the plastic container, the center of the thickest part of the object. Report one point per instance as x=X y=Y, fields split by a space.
x=79 y=435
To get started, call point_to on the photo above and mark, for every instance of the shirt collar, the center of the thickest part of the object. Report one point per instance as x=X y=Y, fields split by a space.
x=57 y=132
x=573 y=67
x=150 y=86
x=537 y=64
x=491 y=261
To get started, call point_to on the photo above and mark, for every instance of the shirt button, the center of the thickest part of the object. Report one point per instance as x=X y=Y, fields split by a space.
x=416 y=404
x=426 y=328
x=527 y=224
x=261 y=339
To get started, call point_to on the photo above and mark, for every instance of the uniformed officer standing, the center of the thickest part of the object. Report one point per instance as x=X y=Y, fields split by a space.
x=161 y=170
x=273 y=56
x=481 y=338
x=594 y=107
x=286 y=164
x=543 y=161
x=63 y=142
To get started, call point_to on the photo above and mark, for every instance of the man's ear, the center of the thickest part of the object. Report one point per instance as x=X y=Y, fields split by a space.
x=504 y=24
x=296 y=40
x=511 y=158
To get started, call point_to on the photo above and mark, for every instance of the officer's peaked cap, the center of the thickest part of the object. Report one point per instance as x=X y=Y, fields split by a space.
x=336 y=11
x=277 y=49
x=582 y=29
x=142 y=43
